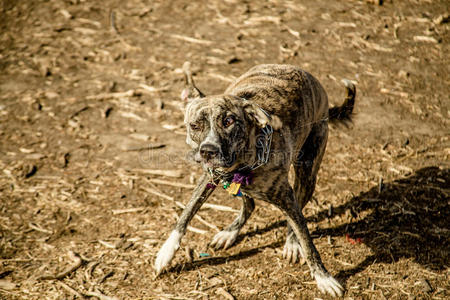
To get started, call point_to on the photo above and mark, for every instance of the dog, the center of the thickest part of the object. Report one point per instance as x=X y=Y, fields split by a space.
x=246 y=139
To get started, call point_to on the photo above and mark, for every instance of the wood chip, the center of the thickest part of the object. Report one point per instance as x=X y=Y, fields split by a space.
x=127 y=210
x=83 y=30
x=143 y=148
x=7 y=285
x=140 y=136
x=77 y=263
x=69 y=289
x=66 y=14
x=99 y=295
x=197 y=230
x=168 y=173
x=346 y=24
x=130 y=115
x=107 y=244
x=190 y=39
x=159 y=194
x=426 y=286
x=152 y=89
x=219 y=207
x=224 y=293
x=39 y=228
x=426 y=39
x=129 y=93
x=25 y=150
x=212 y=226
x=175 y=184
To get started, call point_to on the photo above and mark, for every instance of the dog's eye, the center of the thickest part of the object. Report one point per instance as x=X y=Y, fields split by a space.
x=194 y=127
x=228 y=121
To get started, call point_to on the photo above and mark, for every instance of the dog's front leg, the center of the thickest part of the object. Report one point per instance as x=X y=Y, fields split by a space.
x=325 y=282
x=227 y=237
x=171 y=245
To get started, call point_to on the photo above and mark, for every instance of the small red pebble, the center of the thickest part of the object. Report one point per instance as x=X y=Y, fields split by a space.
x=353 y=241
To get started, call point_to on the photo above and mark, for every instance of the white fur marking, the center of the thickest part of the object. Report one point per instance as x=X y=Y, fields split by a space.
x=224 y=239
x=327 y=284
x=167 y=251
x=293 y=252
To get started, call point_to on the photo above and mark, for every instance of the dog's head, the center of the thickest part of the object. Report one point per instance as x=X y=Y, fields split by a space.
x=222 y=129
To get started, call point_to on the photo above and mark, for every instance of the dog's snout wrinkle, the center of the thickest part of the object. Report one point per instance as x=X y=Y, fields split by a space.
x=209 y=151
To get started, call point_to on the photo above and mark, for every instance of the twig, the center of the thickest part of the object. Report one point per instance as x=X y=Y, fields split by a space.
x=112 y=20
x=225 y=294
x=78 y=261
x=127 y=210
x=107 y=245
x=291 y=31
x=129 y=93
x=69 y=289
x=168 y=173
x=197 y=230
x=21 y=259
x=148 y=147
x=131 y=115
x=159 y=194
x=219 y=207
x=176 y=184
x=427 y=39
x=152 y=89
x=99 y=295
x=190 y=39
x=89 y=269
x=38 y=228
x=221 y=77
x=212 y=226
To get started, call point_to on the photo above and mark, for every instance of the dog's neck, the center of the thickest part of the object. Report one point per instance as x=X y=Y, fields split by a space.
x=263 y=145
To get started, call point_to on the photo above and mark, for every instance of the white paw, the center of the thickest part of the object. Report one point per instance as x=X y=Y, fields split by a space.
x=292 y=251
x=224 y=239
x=327 y=284
x=167 y=251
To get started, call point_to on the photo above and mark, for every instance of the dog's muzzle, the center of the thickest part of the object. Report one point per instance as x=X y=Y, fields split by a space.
x=209 y=152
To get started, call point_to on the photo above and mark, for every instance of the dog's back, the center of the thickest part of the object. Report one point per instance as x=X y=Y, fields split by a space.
x=285 y=91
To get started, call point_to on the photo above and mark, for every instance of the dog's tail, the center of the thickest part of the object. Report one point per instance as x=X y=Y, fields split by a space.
x=344 y=112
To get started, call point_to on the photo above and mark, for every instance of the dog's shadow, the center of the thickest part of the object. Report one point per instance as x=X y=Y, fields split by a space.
x=409 y=218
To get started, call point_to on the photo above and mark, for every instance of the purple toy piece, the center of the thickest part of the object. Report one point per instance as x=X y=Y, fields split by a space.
x=210 y=185
x=243 y=178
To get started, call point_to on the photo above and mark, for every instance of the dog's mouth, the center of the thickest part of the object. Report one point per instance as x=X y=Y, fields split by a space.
x=219 y=162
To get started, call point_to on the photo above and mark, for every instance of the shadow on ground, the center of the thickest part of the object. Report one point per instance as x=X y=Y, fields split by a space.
x=407 y=219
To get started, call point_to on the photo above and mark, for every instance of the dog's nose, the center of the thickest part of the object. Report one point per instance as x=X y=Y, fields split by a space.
x=208 y=151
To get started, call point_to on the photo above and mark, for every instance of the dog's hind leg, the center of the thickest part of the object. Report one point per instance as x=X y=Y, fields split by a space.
x=227 y=237
x=306 y=167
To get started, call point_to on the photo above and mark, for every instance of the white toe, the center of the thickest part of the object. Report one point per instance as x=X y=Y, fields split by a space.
x=292 y=251
x=167 y=251
x=327 y=284
x=224 y=239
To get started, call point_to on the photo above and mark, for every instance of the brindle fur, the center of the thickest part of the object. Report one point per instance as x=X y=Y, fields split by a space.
x=299 y=113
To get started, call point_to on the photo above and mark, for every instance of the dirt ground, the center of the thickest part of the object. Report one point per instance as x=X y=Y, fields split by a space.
x=92 y=148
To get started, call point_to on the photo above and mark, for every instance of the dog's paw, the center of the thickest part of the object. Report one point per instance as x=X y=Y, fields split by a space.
x=292 y=250
x=167 y=251
x=327 y=284
x=224 y=239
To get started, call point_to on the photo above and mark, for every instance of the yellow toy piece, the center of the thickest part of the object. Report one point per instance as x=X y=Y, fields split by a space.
x=233 y=189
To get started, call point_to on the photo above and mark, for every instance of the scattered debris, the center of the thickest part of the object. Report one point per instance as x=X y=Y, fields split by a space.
x=77 y=263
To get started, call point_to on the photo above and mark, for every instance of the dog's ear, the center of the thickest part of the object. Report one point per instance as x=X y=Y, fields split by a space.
x=261 y=117
x=190 y=91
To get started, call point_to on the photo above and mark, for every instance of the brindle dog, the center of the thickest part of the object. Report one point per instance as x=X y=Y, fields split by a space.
x=270 y=118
